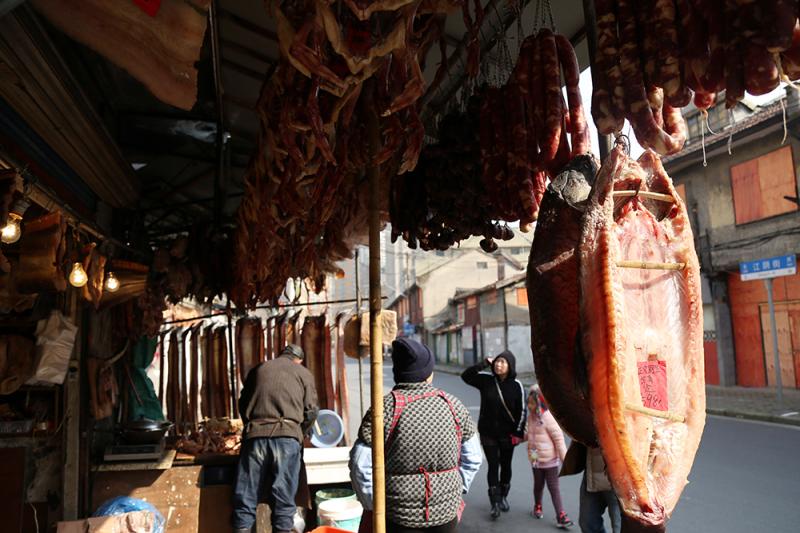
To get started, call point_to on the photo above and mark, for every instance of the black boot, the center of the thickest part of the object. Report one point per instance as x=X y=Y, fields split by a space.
x=503 y=503
x=494 y=499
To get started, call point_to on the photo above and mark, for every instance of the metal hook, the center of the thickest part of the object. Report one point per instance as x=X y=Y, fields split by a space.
x=623 y=140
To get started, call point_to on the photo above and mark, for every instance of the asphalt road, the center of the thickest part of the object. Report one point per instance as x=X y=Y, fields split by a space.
x=745 y=479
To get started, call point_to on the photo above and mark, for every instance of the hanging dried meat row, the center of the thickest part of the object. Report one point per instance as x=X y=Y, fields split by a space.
x=656 y=56
x=493 y=161
x=304 y=206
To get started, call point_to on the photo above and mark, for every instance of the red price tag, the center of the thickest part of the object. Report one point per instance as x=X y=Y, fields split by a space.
x=653 y=384
x=148 y=6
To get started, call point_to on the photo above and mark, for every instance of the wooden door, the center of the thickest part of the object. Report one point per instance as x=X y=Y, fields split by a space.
x=785 y=348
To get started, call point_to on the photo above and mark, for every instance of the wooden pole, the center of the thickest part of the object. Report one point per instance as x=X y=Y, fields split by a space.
x=375 y=341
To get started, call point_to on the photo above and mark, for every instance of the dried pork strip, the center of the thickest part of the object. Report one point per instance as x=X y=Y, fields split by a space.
x=222 y=387
x=553 y=295
x=206 y=390
x=173 y=371
x=316 y=345
x=183 y=388
x=342 y=396
x=194 y=372
x=249 y=345
x=159 y=51
x=39 y=267
x=642 y=330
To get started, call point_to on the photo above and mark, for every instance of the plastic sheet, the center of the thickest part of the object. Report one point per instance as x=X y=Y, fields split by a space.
x=55 y=339
x=126 y=504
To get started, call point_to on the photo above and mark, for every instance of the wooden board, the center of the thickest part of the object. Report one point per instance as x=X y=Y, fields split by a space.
x=746 y=191
x=174 y=492
x=776 y=176
x=785 y=352
x=162 y=464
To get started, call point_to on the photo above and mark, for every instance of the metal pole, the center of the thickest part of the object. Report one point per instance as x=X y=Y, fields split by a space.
x=360 y=366
x=375 y=341
x=233 y=370
x=775 y=354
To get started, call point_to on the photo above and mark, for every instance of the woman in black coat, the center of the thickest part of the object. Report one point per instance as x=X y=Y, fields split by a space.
x=503 y=415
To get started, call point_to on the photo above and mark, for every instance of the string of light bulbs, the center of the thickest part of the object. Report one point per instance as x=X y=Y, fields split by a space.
x=12 y=229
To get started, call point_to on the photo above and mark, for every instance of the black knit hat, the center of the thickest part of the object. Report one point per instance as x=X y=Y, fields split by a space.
x=412 y=361
x=293 y=350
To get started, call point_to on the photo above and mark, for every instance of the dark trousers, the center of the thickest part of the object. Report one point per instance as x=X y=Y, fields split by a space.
x=449 y=527
x=499 y=453
x=593 y=505
x=267 y=467
x=549 y=476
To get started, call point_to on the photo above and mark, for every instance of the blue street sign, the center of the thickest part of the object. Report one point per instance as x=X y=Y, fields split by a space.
x=408 y=329
x=770 y=267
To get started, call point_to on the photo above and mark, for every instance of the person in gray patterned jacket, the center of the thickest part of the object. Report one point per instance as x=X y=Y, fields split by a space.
x=432 y=449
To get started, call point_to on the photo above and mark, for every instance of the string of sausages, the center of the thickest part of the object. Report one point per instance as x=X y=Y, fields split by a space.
x=656 y=56
x=492 y=161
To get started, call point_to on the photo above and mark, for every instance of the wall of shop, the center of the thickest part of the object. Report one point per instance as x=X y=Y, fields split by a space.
x=752 y=331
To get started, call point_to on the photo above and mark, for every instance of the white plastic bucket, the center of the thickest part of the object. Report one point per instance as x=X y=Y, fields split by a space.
x=341 y=513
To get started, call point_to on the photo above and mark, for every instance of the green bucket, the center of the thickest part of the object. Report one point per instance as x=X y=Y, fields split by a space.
x=333 y=494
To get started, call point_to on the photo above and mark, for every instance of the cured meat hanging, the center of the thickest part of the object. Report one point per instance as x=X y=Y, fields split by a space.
x=342 y=396
x=173 y=379
x=641 y=325
x=160 y=51
x=216 y=384
x=249 y=345
x=501 y=152
x=312 y=145
x=94 y=263
x=552 y=284
x=657 y=56
x=194 y=372
x=41 y=255
x=316 y=343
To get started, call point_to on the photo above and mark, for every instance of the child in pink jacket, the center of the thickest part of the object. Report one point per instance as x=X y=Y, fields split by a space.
x=546 y=451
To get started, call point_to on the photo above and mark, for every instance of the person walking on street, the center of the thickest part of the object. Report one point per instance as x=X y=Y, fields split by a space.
x=546 y=451
x=596 y=494
x=278 y=406
x=501 y=422
x=432 y=452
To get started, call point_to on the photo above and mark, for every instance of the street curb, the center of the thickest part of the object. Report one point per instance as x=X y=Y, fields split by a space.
x=759 y=417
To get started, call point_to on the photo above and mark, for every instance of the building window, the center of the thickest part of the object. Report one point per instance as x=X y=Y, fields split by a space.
x=472 y=302
x=517 y=251
x=482 y=265
x=460 y=313
x=693 y=124
x=522 y=296
x=440 y=253
x=760 y=185
x=718 y=118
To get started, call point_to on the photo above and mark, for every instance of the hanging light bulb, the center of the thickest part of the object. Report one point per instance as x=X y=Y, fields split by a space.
x=78 y=277
x=12 y=231
x=112 y=283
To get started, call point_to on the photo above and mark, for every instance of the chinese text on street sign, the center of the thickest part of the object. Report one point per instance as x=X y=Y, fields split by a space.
x=771 y=267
